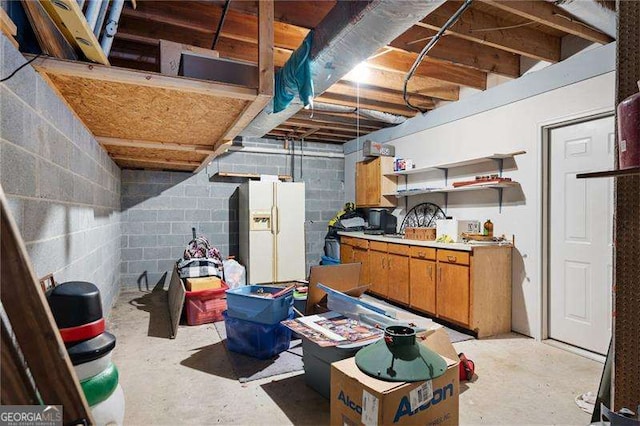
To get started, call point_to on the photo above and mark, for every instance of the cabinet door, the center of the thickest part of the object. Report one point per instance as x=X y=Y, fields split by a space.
x=398 y=278
x=422 y=285
x=362 y=255
x=378 y=272
x=346 y=253
x=361 y=184
x=372 y=184
x=453 y=292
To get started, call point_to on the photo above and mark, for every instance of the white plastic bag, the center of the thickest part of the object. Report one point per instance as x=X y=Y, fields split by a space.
x=234 y=273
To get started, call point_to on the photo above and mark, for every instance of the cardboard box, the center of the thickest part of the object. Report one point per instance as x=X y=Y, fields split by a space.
x=359 y=399
x=204 y=283
x=454 y=228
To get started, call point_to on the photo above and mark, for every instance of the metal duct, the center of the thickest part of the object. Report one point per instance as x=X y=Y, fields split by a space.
x=591 y=13
x=350 y=33
x=281 y=151
x=363 y=112
x=111 y=28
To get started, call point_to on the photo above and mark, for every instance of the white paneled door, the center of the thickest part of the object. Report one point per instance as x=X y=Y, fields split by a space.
x=580 y=235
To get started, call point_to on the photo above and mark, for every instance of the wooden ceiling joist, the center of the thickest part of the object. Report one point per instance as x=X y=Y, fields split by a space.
x=329 y=126
x=312 y=138
x=322 y=117
x=139 y=78
x=400 y=61
x=132 y=143
x=480 y=27
x=378 y=94
x=351 y=101
x=549 y=15
x=460 y=52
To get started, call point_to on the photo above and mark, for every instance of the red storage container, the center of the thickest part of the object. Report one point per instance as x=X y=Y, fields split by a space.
x=206 y=306
x=629 y=132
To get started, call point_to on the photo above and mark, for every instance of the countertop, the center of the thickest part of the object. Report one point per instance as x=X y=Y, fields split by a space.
x=396 y=240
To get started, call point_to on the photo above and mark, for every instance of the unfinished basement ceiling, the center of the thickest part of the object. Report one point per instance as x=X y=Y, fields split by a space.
x=491 y=37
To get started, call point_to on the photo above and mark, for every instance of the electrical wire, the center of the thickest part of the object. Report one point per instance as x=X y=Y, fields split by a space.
x=20 y=67
x=509 y=27
x=452 y=20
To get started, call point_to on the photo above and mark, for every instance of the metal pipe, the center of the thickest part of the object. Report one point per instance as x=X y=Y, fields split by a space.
x=111 y=28
x=93 y=8
x=81 y=4
x=222 y=18
x=101 y=15
x=280 y=151
x=363 y=112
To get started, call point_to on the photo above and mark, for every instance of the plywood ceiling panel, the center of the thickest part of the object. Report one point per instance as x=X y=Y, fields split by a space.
x=128 y=111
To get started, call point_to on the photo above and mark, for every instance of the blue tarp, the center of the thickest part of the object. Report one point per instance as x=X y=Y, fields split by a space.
x=294 y=77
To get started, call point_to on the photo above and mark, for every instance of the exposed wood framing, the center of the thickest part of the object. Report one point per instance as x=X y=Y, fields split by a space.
x=549 y=15
x=171 y=53
x=477 y=26
x=140 y=78
x=158 y=162
x=8 y=27
x=378 y=94
x=107 y=142
x=34 y=327
x=75 y=28
x=265 y=81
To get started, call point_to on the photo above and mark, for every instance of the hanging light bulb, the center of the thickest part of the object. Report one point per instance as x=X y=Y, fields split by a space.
x=360 y=73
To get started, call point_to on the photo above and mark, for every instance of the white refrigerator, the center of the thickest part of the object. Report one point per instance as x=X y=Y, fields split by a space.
x=272 y=239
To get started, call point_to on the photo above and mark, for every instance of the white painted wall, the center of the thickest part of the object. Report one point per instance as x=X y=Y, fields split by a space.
x=517 y=126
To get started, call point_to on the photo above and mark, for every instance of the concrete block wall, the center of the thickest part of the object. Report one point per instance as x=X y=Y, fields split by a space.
x=62 y=187
x=160 y=208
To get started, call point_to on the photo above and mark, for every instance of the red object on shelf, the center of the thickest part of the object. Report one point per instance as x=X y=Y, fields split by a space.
x=206 y=306
x=480 y=182
x=629 y=132
x=82 y=332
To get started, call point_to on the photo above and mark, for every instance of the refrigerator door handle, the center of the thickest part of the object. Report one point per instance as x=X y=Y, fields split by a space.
x=277 y=220
x=274 y=214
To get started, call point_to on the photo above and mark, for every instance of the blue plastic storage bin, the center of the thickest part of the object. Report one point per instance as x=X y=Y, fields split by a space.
x=326 y=260
x=242 y=304
x=257 y=340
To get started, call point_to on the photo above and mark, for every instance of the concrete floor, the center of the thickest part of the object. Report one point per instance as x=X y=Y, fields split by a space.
x=189 y=380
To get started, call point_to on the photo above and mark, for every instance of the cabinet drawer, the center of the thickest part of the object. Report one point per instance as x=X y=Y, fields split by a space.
x=400 y=249
x=453 y=256
x=423 y=252
x=348 y=241
x=360 y=243
x=377 y=246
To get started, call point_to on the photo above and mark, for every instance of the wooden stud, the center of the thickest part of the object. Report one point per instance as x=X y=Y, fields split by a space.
x=15 y=385
x=551 y=16
x=34 y=327
x=139 y=78
x=107 y=142
x=265 y=48
x=167 y=162
x=75 y=28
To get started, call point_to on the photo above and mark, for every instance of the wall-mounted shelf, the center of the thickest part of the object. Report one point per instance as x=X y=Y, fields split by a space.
x=469 y=162
x=499 y=187
x=478 y=187
x=284 y=178
x=610 y=173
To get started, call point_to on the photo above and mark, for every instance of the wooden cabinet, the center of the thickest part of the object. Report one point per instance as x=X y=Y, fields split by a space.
x=453 y=296
x=378 y=269
x=422 y=279
x=346 y=250
x=374 y=179
x=398 y=273
x=468 y=288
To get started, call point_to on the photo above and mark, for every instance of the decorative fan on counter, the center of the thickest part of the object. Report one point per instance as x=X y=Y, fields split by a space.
x=423 y=215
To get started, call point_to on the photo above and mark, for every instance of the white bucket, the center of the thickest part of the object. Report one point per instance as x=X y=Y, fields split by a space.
x=89 y=369
x=111 y=410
